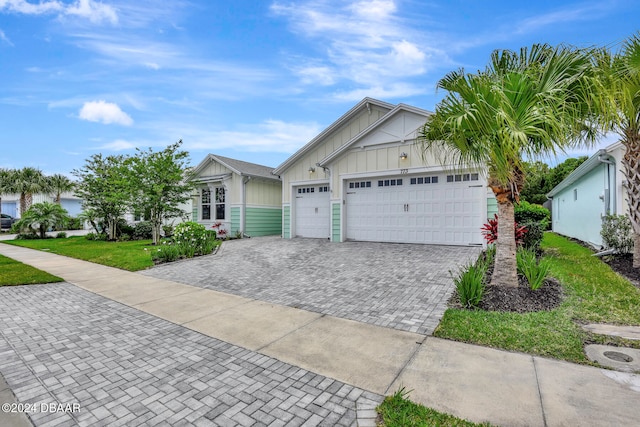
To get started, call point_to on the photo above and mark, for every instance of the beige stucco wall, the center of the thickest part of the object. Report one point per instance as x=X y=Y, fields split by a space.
x=300 y=170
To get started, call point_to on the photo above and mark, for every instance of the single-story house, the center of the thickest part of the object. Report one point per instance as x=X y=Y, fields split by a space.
x=594 y=189
x=363 y=178
x=11 y=203
x=244 y=197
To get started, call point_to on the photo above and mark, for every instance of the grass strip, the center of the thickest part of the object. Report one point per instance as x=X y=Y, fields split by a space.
x=398 y=411
x=14 y=272
x=131 y=255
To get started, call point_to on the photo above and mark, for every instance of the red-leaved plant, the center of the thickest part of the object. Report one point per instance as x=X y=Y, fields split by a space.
x=221 y=233
x=490 y=231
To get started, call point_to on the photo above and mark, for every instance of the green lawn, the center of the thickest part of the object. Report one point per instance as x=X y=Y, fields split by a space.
x=17 y=273
x=398 y=411
x=594 y=293
x=130 y=256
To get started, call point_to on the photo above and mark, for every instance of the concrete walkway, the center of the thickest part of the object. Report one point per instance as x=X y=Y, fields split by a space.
x=472 y=382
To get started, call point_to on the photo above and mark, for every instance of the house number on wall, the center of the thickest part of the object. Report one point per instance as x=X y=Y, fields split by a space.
x=404 y=171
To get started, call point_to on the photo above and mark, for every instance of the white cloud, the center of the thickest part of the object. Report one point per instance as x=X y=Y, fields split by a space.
x=118 y=145
x=267 y=136
x=95 y=12
x=104 y=112
x=363 y=42
x=4 y=38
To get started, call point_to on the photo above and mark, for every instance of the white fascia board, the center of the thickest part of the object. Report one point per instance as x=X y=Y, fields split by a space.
x=342 y=120
x=578 y=173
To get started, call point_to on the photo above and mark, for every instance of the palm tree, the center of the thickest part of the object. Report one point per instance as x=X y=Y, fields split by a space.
x=7 y=179
x=525 y=104
x=59 y=184
x=28 y=181
x=42 y=216
x=621 y=72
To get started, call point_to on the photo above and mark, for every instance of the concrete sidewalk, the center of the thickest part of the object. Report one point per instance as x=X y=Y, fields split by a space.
x=472 y=382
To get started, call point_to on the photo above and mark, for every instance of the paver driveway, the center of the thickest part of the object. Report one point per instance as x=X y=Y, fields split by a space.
x=399 y=286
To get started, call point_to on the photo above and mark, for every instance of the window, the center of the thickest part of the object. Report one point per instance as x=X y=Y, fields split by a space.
x=460 y=177
x=206 y=203
x=575 y=194
x=324 y=189
x=220 y=203
x=362 y=184
x=423 y=180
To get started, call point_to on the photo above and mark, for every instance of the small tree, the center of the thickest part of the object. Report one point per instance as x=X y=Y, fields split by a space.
x=158 y=182
x=103 y=186
x=41 y=217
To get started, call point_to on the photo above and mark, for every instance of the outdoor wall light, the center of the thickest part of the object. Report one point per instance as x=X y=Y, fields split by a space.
x=312 y=169
x=403 y=155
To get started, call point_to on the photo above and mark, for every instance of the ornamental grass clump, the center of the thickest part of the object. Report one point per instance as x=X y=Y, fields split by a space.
x=470 y=284
x=534 y=271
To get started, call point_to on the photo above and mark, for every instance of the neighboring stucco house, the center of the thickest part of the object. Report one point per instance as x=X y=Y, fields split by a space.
x=594 y=189
x=244 y=197
x=11 y=203
x=363 y=178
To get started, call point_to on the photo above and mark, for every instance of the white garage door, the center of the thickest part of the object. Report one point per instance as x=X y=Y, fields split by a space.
x=312 y=211
x=433 y=208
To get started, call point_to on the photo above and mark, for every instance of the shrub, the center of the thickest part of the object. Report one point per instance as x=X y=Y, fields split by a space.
x=490 y=231
x=616 y=233
x=95 y=236
x=470 y=284
x=526 y=212
x=124 y=237
x=166 y=253
x=124 y=228
x=61 y=235
x=195 y=239
x=74 y=224
x=27 y=236
x=532 y=238
x=168 y=230
x=142 y=230
x=535 y=272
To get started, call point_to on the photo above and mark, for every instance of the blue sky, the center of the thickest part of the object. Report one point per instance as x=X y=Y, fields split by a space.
x=253 y=80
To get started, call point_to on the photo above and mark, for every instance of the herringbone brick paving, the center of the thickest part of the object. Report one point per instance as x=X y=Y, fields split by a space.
x=399 y=286
x=61 y=344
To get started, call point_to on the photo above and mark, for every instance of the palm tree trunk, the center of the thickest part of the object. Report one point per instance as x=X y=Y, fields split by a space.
x=631 y=163
x=505 y=267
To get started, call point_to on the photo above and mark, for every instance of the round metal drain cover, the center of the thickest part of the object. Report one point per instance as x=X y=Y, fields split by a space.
x=618 y=357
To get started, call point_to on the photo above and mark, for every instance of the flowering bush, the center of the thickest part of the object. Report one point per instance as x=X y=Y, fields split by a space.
x=490 y=231
x=189 y=233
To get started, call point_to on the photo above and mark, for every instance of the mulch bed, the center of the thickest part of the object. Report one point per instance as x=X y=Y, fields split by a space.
x=522 y=299
x=623 y=265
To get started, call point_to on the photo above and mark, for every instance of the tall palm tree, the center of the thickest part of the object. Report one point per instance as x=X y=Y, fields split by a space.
x=59 y=184
x=7 y=179
x=28 y=181
x=526 y=104
x=621 y=72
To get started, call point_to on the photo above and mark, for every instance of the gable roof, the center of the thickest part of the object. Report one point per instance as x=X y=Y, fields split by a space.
x=365 y=103
x=238 y=166
x=372 y=128
x=586 y=167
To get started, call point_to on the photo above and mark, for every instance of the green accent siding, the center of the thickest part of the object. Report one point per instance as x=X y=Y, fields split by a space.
x=263 y=222
x=335 y=222
x=194 y=214
x=286 y=222
x=235 y=220
x=492 y=207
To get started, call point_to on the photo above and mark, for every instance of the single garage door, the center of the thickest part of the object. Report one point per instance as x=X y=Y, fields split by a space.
x=434 y=209
x=312 y=211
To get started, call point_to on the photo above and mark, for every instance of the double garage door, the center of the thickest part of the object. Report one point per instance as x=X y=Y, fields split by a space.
x=429 y=208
